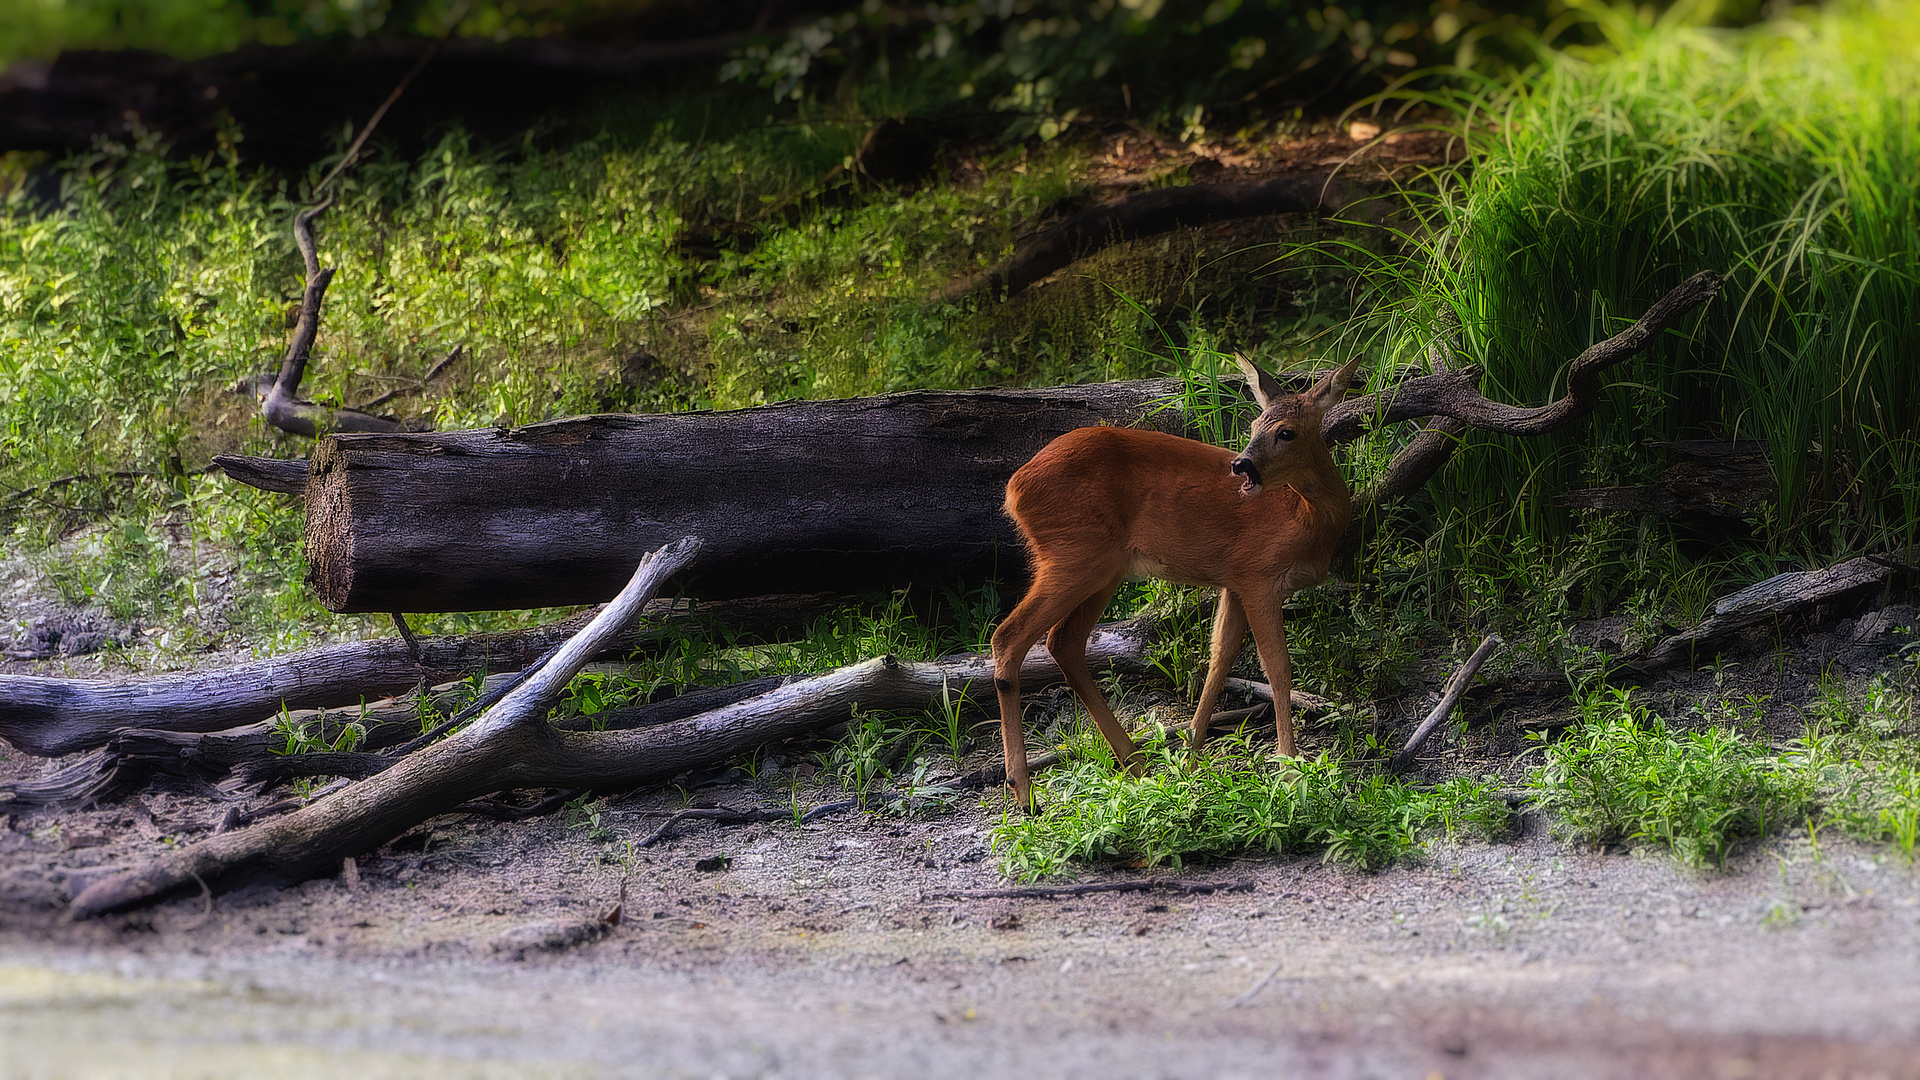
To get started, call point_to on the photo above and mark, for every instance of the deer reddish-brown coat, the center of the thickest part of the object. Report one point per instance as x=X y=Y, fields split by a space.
x=1100 y=504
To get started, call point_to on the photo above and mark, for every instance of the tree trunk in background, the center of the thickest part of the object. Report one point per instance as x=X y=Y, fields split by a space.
x=797 y=497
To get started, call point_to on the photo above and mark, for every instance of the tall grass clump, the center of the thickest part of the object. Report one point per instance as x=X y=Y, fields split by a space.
x=1181 y=810
x=1622 y=776
x=1786 y=156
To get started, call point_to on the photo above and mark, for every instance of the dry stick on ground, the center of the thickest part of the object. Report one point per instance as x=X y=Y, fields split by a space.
x=1049 y=892
x=726 y=815
x=1456 y=687
x=505 y=749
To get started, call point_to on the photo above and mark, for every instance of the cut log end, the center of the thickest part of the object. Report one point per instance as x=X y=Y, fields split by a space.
x=328 y=537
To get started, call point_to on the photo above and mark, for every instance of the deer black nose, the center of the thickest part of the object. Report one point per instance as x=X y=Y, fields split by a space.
x=1244 y=466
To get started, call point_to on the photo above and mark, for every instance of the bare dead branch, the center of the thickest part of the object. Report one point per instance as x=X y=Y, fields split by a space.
x=1147 y=213
x=49 y=717
x=362 y=816
x=1454 y=393
x=1456 y=687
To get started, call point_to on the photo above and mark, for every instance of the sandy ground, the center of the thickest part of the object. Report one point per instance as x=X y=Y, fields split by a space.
x=834 y=950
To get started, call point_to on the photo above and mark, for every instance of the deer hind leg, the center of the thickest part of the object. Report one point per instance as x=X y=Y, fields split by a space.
x=1048 y=601
x=1270 y=638
x=1068 y=644
x=1229 y=632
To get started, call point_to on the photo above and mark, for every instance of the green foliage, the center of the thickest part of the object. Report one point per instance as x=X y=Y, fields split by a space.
x=1229 y=803
x=1621 y=775
x=317 y=734
x=1780 y=155
x=1182 y=67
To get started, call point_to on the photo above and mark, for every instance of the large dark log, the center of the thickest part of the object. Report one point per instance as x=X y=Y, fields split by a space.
x=1716 y=478
x=804 y=496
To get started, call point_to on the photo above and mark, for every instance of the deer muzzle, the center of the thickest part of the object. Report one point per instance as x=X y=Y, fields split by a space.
x=1244 y=466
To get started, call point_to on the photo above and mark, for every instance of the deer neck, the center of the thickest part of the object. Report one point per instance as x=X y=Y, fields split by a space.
x=1312 y=475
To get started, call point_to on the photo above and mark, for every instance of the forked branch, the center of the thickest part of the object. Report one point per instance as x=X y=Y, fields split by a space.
x=1455 y=392
x=509 y=739
x=1451 y=401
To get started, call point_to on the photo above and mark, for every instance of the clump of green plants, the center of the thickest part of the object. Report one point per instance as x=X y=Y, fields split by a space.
x=1622 y=776
x=1778 y=155
x=1230 y=802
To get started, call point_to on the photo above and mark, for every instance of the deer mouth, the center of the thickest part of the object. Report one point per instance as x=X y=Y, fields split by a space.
x=1244 y=466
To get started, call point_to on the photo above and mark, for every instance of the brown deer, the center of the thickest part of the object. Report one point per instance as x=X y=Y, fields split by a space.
x=1099 y=504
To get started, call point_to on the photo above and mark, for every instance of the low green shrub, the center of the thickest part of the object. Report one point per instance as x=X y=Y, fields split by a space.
x=1181 y=809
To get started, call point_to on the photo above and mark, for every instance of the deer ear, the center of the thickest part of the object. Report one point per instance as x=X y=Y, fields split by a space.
x=1265 y=389
x=1332 y=386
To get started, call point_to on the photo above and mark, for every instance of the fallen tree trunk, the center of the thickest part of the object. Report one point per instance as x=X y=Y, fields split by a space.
x=832 y=495
x=511 y=748
x=805 y=496
x=49 y=717
x=1762 y=603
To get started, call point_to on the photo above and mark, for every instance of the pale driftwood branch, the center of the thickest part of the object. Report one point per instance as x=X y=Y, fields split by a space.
x=1454 y=393
x=365 y=815
x=49 y=717
x=1456 y=687
x=496 y=754
x=528 y=702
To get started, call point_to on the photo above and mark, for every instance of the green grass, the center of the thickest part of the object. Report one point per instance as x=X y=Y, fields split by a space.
x=1782 y=156
x=1232 y=803
x=1624 y=776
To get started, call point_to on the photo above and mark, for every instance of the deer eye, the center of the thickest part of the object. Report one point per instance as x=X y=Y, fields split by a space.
x=1283 y=435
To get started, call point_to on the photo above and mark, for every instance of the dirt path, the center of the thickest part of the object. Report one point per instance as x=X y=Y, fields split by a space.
x=821 y=952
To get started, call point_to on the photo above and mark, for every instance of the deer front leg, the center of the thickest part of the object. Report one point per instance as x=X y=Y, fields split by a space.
x=1229 y=632
x=1270 y=638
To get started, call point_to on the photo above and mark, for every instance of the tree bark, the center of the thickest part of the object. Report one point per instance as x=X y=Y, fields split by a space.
x=805 y=496
x=54 y=716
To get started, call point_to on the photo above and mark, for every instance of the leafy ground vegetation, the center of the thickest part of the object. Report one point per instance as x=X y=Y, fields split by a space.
x=719 y=247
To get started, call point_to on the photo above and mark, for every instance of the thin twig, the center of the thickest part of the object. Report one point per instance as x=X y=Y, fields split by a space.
x=1451 y=697
x=729 y=816
x=406 y=635
x=206 y=910
x=500 y=811
x=1255 y=989
x=1049 y=892
x=353 y=152
x=416 y=388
